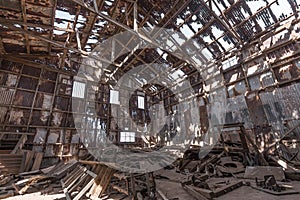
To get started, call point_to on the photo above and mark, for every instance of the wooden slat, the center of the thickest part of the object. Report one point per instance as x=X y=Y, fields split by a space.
x=29 y=156
x=84 y=190
x=17 y=133
x=20 y=144
x=37 y=162
x=101 y=182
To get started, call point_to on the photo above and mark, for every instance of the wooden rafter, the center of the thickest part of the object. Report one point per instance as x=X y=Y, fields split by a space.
x=52 y=23
x=2 y=49
x=24 y=15
x=70 y=37
x=91 y=23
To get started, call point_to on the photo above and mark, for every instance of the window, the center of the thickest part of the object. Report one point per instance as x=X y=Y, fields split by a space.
x=114 y=97
x=78 y=89
x=127 y=136
x=141 y=102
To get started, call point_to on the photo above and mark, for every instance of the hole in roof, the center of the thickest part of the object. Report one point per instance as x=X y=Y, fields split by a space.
x=64 y=15
x=186 y=31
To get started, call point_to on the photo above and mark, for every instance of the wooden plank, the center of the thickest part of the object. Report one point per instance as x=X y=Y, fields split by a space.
x=17 y=133
x=64 y=169
x=23 y=6
x=104 y=182
x=2 y=49
x=71 y=176
x=28 y=161
x=5 y=180
x=101 y=169
x=74 y=179
x=120 y=189
x=84 y=190
x=227 y=188
x=77 y=183
x=38 y=160
x=8 y=194
x=30 y=182
x=1 y=134
x=22 y=167
x=20 y=144
x=161 y=194
x=195 y=194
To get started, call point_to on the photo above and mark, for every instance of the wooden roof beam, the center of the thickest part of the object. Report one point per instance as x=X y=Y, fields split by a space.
x=70 y=37
x=108 y=18
x=92 y=20
x=2 y=49
x=23 y=7
x=52 y=23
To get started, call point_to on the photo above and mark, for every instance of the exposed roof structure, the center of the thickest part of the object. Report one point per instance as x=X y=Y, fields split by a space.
x=148 y=76
x=73 y=26
x=211 y=44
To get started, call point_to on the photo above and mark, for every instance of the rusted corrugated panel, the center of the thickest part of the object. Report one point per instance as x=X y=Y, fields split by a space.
x=272 y=107
x=3 y=111
x=254 y=83
x=281 y=105
x=237 y=111
x=290 y=98
x=255 y=109
x=6 y=96
x=292 y=105
x=39 y=138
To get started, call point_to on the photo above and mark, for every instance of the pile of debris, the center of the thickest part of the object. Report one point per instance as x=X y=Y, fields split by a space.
x=83 y=179
x=229 y=164
x=202 y=173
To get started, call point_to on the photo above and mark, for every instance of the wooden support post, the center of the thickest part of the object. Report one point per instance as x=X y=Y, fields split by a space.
x=135 y=25
x=113 y=48
x=78 y=39
x=96 y=6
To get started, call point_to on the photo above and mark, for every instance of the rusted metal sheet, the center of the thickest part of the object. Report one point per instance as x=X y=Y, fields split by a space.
x=237 y=111
x=6 y=96
x=282 y=105
x=3 y=111
x=255 y=108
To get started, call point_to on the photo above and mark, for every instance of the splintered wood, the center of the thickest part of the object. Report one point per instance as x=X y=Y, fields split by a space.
x=91 y=184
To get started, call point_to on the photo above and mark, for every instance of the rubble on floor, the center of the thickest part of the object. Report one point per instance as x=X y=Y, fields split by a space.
x=202 y=173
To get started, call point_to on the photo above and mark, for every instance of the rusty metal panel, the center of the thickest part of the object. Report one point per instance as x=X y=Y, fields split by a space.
x=3 y=111
x=267 y=79
x=237 y=111
x=281 y=105
x=6 y=96
x=255 y=109
x=254 y=83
